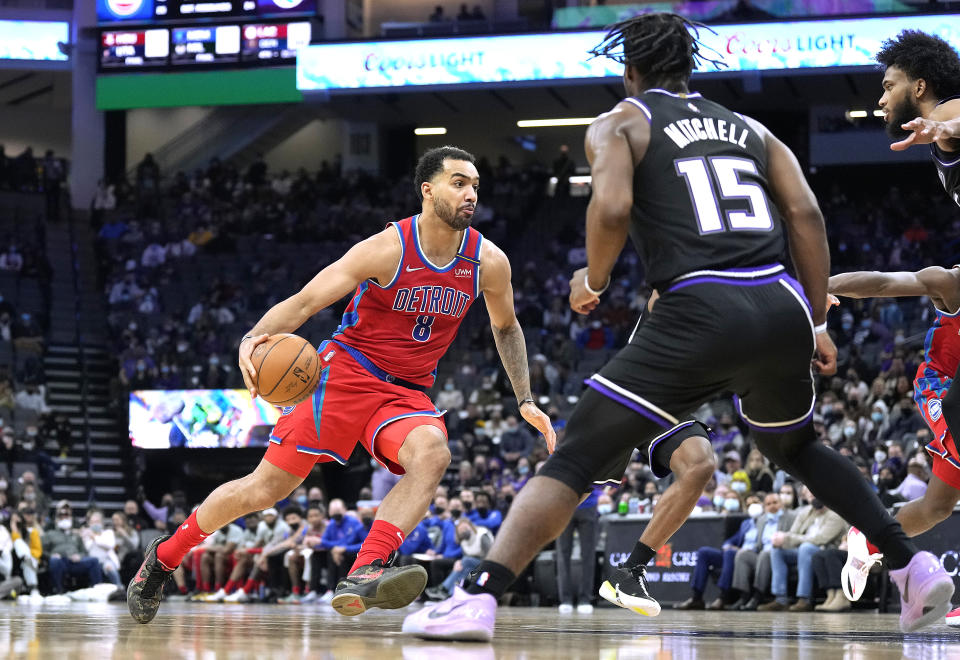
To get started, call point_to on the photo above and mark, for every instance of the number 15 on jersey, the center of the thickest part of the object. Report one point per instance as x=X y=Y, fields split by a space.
x=716 y=180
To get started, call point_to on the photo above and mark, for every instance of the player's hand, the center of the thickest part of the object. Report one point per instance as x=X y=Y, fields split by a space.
x=540 y=421
x=246 y=366
x=581 y=300
x=925 y=131
x=825 y=358
x=832 y=301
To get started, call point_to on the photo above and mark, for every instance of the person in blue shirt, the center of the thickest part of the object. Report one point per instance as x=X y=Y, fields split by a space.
x=417 y=541
x=483 y=515
x=343 y=532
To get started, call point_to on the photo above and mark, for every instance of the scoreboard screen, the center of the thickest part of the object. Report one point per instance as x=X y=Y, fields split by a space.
x=274 y=41
x=131 y=48
x=208 y=44
x=149 y=11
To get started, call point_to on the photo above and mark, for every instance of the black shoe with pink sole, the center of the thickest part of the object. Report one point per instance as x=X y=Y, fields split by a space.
x=146 y=587
x=379 y=585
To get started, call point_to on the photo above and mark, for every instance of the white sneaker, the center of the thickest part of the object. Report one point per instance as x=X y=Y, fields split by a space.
x=566 y=608
x=584 y=608
x=310 y=597
x=216 y=597
x=853 y=577
x=238 y=596
x=327 y=597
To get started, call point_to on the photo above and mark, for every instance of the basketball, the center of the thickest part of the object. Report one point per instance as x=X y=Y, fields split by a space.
x=287 y=369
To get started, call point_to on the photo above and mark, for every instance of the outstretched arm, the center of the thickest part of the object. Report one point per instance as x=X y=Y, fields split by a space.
x=942 y=127
x=508 y=335
x=938 y=283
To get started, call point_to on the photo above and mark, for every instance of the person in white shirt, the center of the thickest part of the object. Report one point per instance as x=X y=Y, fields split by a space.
x=101 y=544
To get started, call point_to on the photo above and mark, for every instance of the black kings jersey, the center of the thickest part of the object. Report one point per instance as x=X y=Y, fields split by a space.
x=948 y=165
x=700 y=196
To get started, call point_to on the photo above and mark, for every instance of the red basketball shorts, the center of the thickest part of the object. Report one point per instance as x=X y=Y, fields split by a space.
x=350 y=405
x=929 y=388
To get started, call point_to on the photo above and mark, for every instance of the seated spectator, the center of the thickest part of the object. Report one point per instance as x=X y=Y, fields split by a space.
x=475 y=543
x=815 y=527
x=342 y=532
x=751 y=566
x=711 y=558
x=437 y=16
x=210 y=561
x=30 y=493
x=483 y=514
x=447 y=548
x=135 y=517
x=450 y=398
x=827 y=567
x=584 y=522
x=128 y=545
x=33 y=398
x=100 y=544
x=758 y=470
x=914 y=485
x=464 y=14
x=270 y=532
x=27 y=538
x=308 y=558
x=516 y=441
x=11 y=259
x=64 y=548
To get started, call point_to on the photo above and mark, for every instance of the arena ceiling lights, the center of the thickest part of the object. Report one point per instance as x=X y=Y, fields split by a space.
x=439 y=130
x=557 y=56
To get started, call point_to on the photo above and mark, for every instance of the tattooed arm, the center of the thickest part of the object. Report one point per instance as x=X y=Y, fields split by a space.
x=498 y=294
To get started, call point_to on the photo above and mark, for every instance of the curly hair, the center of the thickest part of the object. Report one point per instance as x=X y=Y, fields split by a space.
x=662 y=47
x=922 y=55
x=431 y=164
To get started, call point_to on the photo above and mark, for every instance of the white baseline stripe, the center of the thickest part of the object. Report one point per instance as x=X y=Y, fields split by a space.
x=633 y=397
x=726 y=273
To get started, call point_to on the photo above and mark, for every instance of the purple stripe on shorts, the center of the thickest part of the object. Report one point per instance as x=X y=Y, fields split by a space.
x=799 y=289
x=716 y=279
x=752 y=269
x=629 y=403
x=653 y=445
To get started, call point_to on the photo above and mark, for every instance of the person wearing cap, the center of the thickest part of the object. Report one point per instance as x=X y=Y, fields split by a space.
x=63 y=545
x=731 y=463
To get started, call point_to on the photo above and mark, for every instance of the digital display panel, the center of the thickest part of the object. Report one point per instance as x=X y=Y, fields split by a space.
x=274 y=41
x=205 y=44
x=134 y=48
x=145 y=11
x=564 y=56
x=161 y=419
x=33 y=40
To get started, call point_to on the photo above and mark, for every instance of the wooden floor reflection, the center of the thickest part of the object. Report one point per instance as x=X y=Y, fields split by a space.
x=201 y=632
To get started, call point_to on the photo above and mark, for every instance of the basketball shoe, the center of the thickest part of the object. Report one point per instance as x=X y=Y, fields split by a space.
x=925 y=592
x=953 y=618
x=379 y=584
x=853 y=576
x=146 y=587
x=463 y=616
x=627 y=588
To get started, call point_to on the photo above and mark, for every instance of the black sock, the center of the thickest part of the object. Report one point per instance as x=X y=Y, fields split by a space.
x=489 y=578
x=641 y=556
x=697 y=595
x=836 y=481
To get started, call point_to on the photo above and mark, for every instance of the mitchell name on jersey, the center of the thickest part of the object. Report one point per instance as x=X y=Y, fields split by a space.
x=696 y=129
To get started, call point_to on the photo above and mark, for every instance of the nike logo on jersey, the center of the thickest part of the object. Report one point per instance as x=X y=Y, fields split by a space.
x=686 y=131
x=410 y=270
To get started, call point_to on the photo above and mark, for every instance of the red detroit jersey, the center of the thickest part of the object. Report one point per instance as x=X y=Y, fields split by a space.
x=406 y=326
x=942 y=345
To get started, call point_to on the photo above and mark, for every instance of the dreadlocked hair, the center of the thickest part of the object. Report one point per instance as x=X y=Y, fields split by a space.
x=922 y=55
x=662 y=47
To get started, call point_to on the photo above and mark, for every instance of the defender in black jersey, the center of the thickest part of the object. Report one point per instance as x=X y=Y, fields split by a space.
x=707 y=196
x=921 y=100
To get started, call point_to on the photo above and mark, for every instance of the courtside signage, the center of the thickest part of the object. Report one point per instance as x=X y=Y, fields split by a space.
x=563 y=56
x=33 y=40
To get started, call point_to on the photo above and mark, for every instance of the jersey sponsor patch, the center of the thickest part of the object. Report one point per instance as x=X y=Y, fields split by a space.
x=935 y=409
x=286 y=410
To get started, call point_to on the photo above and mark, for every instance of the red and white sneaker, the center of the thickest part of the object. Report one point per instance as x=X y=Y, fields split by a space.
x=853 y=577
x=953 y=618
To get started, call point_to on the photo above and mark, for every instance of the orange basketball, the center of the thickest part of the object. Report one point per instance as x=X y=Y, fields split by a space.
x=288 y=369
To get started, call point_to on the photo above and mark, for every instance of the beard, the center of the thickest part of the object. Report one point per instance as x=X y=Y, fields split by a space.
x=900 y=114
x=455 y=219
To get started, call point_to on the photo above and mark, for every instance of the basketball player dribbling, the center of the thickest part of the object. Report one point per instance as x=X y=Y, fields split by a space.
x=921 y=105
x=708 y=197
x=413 y=284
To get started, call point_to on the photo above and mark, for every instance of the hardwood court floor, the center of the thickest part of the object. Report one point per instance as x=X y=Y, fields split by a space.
x=197 y=631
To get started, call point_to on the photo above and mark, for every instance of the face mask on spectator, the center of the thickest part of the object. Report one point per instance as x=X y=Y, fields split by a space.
x=826 y=409
x=337 y=517
x=739 y=486
x=876 y=416
x=96 y=527
x=438 y=510
x=455 y=513
x=755 y=510
x=816 y=504
x=483 y=511
x=849 y=431
x=731 y=505
x=604 y=509
x=302 y=501
x=467 y=506
x=65 y=523
x=523 y=470
x=448 y=387
x=718 y=501
x=367 y=521
x=879 y=456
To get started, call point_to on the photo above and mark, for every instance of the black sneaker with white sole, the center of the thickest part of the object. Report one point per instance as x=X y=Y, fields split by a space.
x=627 y=588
